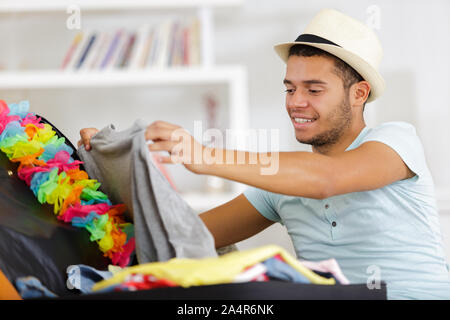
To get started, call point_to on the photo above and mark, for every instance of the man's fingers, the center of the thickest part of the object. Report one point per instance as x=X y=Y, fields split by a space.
x=164 y=124
x=86 y=135
x=157 y=134
x=85 y=139
x=164 y=131
x=175 y=149
x=163 y=146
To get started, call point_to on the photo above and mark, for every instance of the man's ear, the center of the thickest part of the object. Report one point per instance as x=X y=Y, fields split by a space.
x=359 y=92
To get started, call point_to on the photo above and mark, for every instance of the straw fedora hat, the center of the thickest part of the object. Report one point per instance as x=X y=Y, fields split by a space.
x=346 y=38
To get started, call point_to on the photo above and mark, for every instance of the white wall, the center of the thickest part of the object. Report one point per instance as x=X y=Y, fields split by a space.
x=416 y=67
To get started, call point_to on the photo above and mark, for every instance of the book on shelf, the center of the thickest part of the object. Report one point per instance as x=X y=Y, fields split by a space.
x=194 y=43
x=72 y=50
x=100 y=51
x=91 y=54
x=86 y=50
x=128 y=48
x=76 y=50
x=138 y=50
x=112 y=52
x=162 y=51
x=172 y=42
x=147 y=48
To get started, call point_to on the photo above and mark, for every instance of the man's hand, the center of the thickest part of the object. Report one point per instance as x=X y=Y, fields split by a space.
x=86 y=134
x=180 y=145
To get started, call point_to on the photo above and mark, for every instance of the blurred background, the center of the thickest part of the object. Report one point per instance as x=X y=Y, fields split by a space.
x=93 y=63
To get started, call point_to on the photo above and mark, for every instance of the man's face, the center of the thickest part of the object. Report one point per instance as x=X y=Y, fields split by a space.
x=316 y=100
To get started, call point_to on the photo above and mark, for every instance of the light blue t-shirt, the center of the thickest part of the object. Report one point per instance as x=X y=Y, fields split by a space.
x=392 y=233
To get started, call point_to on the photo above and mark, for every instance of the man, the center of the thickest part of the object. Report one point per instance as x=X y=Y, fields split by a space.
x=362 y=196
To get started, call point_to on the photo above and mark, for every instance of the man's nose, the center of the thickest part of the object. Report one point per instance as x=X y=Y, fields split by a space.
x=297 y=100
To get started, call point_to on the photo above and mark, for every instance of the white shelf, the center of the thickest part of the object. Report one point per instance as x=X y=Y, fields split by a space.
x=42 y=79
x=7 y=6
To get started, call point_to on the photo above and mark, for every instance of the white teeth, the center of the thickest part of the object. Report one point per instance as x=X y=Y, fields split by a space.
x=301 y=120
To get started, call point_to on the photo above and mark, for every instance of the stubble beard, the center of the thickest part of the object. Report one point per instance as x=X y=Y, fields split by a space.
x=340 y=120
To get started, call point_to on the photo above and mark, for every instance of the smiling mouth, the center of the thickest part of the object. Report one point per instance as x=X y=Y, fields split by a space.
x=300 y=120
x=303 y=120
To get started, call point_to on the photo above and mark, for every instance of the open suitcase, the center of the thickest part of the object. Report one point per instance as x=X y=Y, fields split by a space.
x=34 y=243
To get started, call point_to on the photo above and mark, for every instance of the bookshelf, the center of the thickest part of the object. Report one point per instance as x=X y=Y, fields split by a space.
x=41 y=79
x=233 y=77
x=8 y=6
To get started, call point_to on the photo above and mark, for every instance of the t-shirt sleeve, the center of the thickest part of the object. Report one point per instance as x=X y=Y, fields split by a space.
x=403 y=139
x=264 y=202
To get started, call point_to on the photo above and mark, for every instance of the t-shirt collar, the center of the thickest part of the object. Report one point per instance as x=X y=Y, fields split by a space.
x=358 y=139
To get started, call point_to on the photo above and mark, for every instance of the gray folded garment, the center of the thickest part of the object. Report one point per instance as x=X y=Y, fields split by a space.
x=165 y=226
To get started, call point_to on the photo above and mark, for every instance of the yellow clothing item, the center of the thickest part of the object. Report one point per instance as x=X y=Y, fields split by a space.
x=208 y=271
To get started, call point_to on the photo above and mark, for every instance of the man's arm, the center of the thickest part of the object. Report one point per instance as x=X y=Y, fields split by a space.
x=370 y=166
x=234 y=221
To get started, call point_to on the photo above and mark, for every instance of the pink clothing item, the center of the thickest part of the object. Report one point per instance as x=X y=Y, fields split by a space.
x=330 y=266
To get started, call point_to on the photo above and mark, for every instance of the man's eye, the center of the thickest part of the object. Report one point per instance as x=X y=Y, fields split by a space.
x=289 y=91
x=315 y=91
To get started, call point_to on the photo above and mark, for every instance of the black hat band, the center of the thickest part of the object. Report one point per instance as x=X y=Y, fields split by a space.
x=306 y=37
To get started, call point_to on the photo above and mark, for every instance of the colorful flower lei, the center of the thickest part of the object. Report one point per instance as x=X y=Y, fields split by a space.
x=55 y=178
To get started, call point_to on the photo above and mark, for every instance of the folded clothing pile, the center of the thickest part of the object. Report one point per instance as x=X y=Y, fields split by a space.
x=260 y=264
